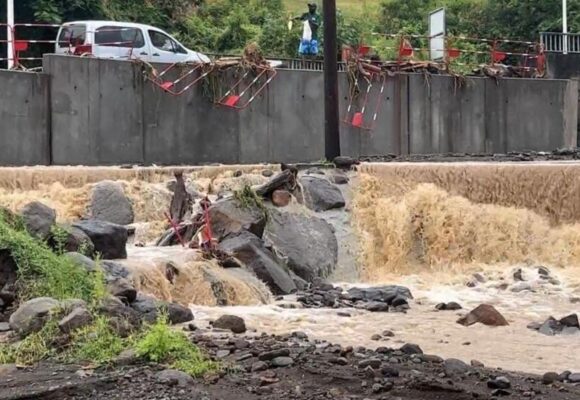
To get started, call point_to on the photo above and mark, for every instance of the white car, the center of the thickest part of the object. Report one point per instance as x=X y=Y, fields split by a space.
x=123 y=40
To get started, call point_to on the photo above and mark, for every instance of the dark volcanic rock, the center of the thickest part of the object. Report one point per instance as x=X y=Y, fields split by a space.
x=345 y=162
x=570 y=321
x=282 y=362
x=550 y=327
x=173 y=377
x=377 y=306
x=451 y=306
x=38 y=219
x=550 y=377
x=307 y=244
x=455 y=367
x=230 y=322
x=32 y=315
x=8 y=277
x=109 y=203
x=110 y=240
x=411 y=348
x=229 y=217
x=122 y=289
x=149 y=308
x=73 y=240
x=385 y=294
x=270 y=355
x=484 y=314
x=321 y=195
x=501 y=382
x=78 y=318
x=250 y=250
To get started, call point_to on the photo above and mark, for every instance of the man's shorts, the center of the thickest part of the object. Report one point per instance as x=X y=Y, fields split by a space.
x=308 y=47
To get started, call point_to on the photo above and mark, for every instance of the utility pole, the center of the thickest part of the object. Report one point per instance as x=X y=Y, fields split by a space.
x=565 y=26
x=10 y=32
x=331 y=118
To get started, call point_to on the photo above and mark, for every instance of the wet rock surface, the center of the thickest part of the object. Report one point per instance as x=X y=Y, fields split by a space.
x=374 y=299
x=306 y=245
x=485 y=314
x=568 y=325
x=286 y=367
x=250 y=250
x=109 y=203
x=321 y=195
x=38 y=219
x=109 y=239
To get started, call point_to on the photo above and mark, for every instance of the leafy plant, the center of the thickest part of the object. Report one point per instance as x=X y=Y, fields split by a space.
x=42 y=273
x=34 y=348
x=97 y=343
x=161 y=344
x=59 y=236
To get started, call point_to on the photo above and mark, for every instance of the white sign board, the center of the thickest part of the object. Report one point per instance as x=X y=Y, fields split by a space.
x=437 y=34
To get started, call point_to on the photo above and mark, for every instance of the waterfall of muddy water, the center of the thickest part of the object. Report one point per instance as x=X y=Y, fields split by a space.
x=182 y=275
x=443 y=218
x=67 y=189
x=426 y=226
x=429 y=227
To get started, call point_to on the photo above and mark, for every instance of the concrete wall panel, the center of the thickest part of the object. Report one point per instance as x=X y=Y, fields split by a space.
x=103 y=112
x=24 y=118
x=96 y=111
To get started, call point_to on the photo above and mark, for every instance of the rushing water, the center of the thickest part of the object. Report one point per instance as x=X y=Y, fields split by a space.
x=513 y=347
x=427 y=226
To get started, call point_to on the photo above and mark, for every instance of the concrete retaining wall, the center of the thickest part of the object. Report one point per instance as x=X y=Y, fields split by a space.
x=103 y=112
x=24 y=118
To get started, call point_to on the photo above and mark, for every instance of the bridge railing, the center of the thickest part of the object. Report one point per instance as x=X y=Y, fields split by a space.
x=554 y=42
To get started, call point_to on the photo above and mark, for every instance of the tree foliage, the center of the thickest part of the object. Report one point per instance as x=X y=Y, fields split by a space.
x=226 y=26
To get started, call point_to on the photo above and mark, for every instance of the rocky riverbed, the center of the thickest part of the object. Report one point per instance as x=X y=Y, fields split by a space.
x=300 y=324
x=289 y=367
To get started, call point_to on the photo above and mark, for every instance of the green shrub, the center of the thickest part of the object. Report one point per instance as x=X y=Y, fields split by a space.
x=97 y=343
x=34 y=348
x=41 y=272
x=161 y=344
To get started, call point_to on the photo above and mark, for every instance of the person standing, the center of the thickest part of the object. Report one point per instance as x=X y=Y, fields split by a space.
x=311 y=21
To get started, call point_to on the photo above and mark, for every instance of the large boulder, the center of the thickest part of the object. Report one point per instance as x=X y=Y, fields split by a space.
x=78 y=318
x=230 y=322
x=250 y=250
x=8 y=277
x=307 y=245
x=110 y=240
x=32 y=315
x=123 y=289
x=321 y=195
x=230 y=217
x=385 y=294
x=109 y=203
x=484 y=314
x=149 y=309
x=68 y=238
x=38 y=219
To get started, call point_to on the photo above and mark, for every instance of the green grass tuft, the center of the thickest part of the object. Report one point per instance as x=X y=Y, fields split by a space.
x=97 y=343
x=41 y=272
x=33 y=349
x=161 y=344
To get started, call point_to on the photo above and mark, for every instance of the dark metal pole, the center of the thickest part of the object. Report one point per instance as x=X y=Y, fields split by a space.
x=331 y=118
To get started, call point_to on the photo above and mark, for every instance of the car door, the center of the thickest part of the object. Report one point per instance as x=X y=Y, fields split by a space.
x=122 y=42
x=164 y=49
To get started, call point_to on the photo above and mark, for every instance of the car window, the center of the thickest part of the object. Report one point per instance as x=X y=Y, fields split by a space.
x=72 y=35
x=119 y=36
x=162 y=41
